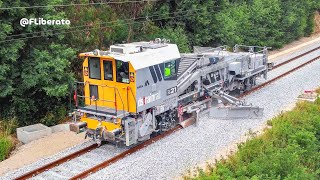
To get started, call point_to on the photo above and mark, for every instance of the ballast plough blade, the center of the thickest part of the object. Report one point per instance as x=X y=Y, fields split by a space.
x=236 y=112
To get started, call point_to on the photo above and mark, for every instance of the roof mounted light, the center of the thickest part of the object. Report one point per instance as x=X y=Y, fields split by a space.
x=96 y=52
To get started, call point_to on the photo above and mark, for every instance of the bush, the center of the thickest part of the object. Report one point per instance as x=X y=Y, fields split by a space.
x=8 y=126
x=54 y=117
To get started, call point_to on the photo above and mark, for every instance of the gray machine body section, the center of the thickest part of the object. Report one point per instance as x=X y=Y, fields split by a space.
x=241 y=112
x=154 y=90
x=218 y=66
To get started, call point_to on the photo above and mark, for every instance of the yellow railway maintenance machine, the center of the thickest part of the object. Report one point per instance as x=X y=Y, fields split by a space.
x=138 y=89
x=124 y=89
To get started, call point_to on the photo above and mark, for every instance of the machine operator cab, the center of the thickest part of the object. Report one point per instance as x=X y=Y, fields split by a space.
x=126 y=81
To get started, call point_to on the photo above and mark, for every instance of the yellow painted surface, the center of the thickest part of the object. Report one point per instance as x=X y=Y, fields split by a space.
x=93 y=124
x=112 y=94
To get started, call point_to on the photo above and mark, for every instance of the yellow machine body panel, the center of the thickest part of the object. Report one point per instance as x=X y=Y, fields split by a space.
x=104 y=89
x=110 y=126
x=111 y=93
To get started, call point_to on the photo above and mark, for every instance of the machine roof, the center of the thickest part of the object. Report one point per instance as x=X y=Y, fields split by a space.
x=150 y=54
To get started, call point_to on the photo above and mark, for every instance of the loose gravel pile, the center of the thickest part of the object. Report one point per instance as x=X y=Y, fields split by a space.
x=171 y=156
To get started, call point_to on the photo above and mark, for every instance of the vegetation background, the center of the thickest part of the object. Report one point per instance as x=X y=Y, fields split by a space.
x=38 y=63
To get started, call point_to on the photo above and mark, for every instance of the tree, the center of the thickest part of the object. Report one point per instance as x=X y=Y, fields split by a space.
x=37 y=74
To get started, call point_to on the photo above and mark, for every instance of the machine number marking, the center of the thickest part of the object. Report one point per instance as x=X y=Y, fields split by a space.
x=171 y=90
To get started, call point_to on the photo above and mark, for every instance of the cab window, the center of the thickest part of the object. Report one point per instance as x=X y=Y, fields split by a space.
x=170 y=69
x=94 y=91
x=122 y=71
x=108 y=72
x=94 y=68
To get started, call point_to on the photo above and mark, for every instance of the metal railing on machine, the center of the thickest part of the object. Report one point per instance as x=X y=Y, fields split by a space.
x=84 y=84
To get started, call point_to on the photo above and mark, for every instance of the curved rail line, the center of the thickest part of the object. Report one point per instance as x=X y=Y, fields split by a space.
x=150 y=141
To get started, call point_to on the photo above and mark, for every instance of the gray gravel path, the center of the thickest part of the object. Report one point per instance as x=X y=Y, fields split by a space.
x=171 y=156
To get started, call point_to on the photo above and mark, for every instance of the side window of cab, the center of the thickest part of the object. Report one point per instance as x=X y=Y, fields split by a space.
x=94 y=68
x=122 y=72
x=108 y=70
x=170 y=69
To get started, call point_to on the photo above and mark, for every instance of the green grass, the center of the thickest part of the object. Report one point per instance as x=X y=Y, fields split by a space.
x=289 y=150
x=6 y=145
x=7 y=128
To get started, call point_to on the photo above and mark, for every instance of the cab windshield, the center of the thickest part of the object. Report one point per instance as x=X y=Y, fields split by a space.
x=122 y=71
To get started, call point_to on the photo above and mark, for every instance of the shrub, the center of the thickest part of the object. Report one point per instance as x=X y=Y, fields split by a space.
x=54 y=117
x=8 y=126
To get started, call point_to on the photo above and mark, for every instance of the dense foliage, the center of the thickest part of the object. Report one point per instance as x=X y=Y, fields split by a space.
x=37 y=63
x=289 y=150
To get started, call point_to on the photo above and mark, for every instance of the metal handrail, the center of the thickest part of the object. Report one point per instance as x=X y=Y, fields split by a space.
x=133 y=96
x=99 y=99
x=121 y=100
x=115 y=88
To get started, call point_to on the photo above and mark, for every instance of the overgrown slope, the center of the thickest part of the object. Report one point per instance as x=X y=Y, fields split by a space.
x=289 y=150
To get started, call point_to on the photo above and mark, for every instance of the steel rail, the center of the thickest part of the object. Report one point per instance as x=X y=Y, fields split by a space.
x=108 y=162
x=55 y=163
x=150 y=141
x=294 y=58
x=278 y=77
x=124 y=154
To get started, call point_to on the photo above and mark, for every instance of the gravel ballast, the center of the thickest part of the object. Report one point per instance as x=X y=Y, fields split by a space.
x=293 y=54
x=80 y=164
x=173 y=155
x=44 y=161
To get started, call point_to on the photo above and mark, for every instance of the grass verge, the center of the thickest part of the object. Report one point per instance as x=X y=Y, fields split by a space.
x=288 y=150
x=7 y=142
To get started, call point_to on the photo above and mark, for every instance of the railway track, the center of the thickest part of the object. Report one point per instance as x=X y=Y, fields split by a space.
x=122 y=155
x=278 y=77
x=57 y=162
x=295 y=58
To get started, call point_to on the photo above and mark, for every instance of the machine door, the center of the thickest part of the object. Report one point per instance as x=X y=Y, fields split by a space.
x=93 y=76
x=122 y=83
x=108 y=91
